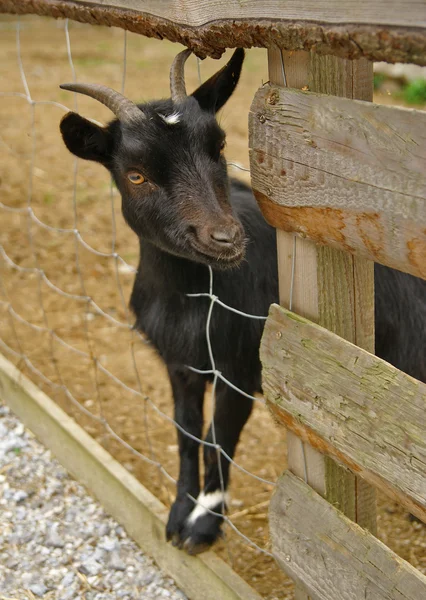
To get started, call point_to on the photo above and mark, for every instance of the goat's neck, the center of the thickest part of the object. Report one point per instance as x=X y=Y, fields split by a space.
x=170 y=274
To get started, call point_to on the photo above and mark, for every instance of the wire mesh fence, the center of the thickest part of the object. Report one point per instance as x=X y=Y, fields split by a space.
x=68 y=264
x=67 y=273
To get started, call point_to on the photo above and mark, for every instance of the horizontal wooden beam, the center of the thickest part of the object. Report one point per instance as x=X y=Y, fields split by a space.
x=387 y=30
x=345 y=173
x=126 y=499
x=335 y=559
x=348 y=404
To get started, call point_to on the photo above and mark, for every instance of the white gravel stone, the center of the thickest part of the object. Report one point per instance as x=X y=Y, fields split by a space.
x=68 y=579
x=38 y=589
x=108 y=544
x=115 y=562
x=55 y=540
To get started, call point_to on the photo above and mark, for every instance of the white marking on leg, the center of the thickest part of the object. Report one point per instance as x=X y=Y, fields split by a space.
x=171 y=119
x=206 y=502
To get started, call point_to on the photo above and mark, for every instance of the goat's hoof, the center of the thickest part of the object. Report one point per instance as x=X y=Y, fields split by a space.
x=175 y=540
x=203 y=534
x=199 y=535
x=192 y=548
x=192 y=535
x=179 y=513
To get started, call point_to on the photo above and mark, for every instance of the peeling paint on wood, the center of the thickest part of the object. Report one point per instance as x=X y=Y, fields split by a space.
x=333 y=557
x=369 y=29
x=344 y=173
x=348 y=404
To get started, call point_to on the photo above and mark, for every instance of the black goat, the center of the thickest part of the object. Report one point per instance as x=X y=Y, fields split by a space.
x=166 y=159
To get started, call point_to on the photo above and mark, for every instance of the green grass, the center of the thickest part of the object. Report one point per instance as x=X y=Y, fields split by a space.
x=378 y=80
x=415 y=92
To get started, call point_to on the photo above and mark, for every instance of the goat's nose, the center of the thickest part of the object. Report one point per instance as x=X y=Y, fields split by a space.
x=224 y=236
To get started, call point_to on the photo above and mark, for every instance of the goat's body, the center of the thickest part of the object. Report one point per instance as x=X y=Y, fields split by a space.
x=176 y=323
x=400 y=320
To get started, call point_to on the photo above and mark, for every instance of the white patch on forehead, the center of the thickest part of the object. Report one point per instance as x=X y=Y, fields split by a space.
x=171 y=119
x=206 y=502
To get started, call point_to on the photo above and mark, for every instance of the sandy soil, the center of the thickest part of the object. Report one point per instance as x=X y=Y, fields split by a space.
x=134 y=391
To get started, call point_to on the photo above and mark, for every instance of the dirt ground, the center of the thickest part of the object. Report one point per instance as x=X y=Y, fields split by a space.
x=133 y=395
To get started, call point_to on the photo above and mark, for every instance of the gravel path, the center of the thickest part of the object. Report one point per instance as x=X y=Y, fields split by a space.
x=56 y=542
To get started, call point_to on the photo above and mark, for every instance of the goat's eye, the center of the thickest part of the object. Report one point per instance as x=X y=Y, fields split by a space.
x=222 y=146
x=135 y=177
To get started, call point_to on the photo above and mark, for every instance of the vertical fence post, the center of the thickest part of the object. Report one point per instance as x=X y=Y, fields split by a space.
x=332 y=288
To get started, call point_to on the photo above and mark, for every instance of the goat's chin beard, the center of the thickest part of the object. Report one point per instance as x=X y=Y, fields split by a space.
x=195 y=253
x=223 y=261
x=221 y=264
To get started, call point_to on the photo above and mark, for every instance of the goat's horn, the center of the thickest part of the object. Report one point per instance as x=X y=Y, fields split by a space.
x=177 y=76
x=122 y=107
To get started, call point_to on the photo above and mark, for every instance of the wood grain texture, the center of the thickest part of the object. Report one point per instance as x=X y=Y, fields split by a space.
x=335 y=558
x=349 y=404
x=385 y=30
x=140 y=512
x=298 y=285
x=321 y=278
x=328 y=286
x=345 y=173
x=201 y=12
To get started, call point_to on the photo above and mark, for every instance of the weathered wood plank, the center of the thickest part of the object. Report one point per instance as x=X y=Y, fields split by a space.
x=298 y=289
x=345 y=173
x=333 y=557
x=378 y=30
x=366 y=12
x=348 y=404
x=323 y=277
x=140 y=512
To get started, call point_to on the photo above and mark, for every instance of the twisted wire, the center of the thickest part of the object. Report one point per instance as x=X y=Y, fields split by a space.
x=33 y=221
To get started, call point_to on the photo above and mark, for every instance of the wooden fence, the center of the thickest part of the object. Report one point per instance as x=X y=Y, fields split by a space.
x=344 y=182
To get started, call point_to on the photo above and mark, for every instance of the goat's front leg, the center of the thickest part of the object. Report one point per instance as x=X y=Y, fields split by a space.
x=231 y=413
x=188 y=394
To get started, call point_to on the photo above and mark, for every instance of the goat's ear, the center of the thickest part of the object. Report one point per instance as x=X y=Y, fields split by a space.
x=214 y=92
x=86 y=139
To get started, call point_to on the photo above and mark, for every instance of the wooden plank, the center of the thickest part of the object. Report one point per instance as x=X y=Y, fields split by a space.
x=324 y=278
x=378 y=30
x=320 y=278
x=347 y=282
x=298 y=286
x=345 y=173
x=140 y=512
x=367 y=12
x=335 y=558
x=349 y=404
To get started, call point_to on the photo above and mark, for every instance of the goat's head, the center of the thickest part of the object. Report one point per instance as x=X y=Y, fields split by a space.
x=166 y=158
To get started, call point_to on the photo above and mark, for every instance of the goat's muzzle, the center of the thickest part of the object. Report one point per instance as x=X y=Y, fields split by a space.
x=221 y=243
